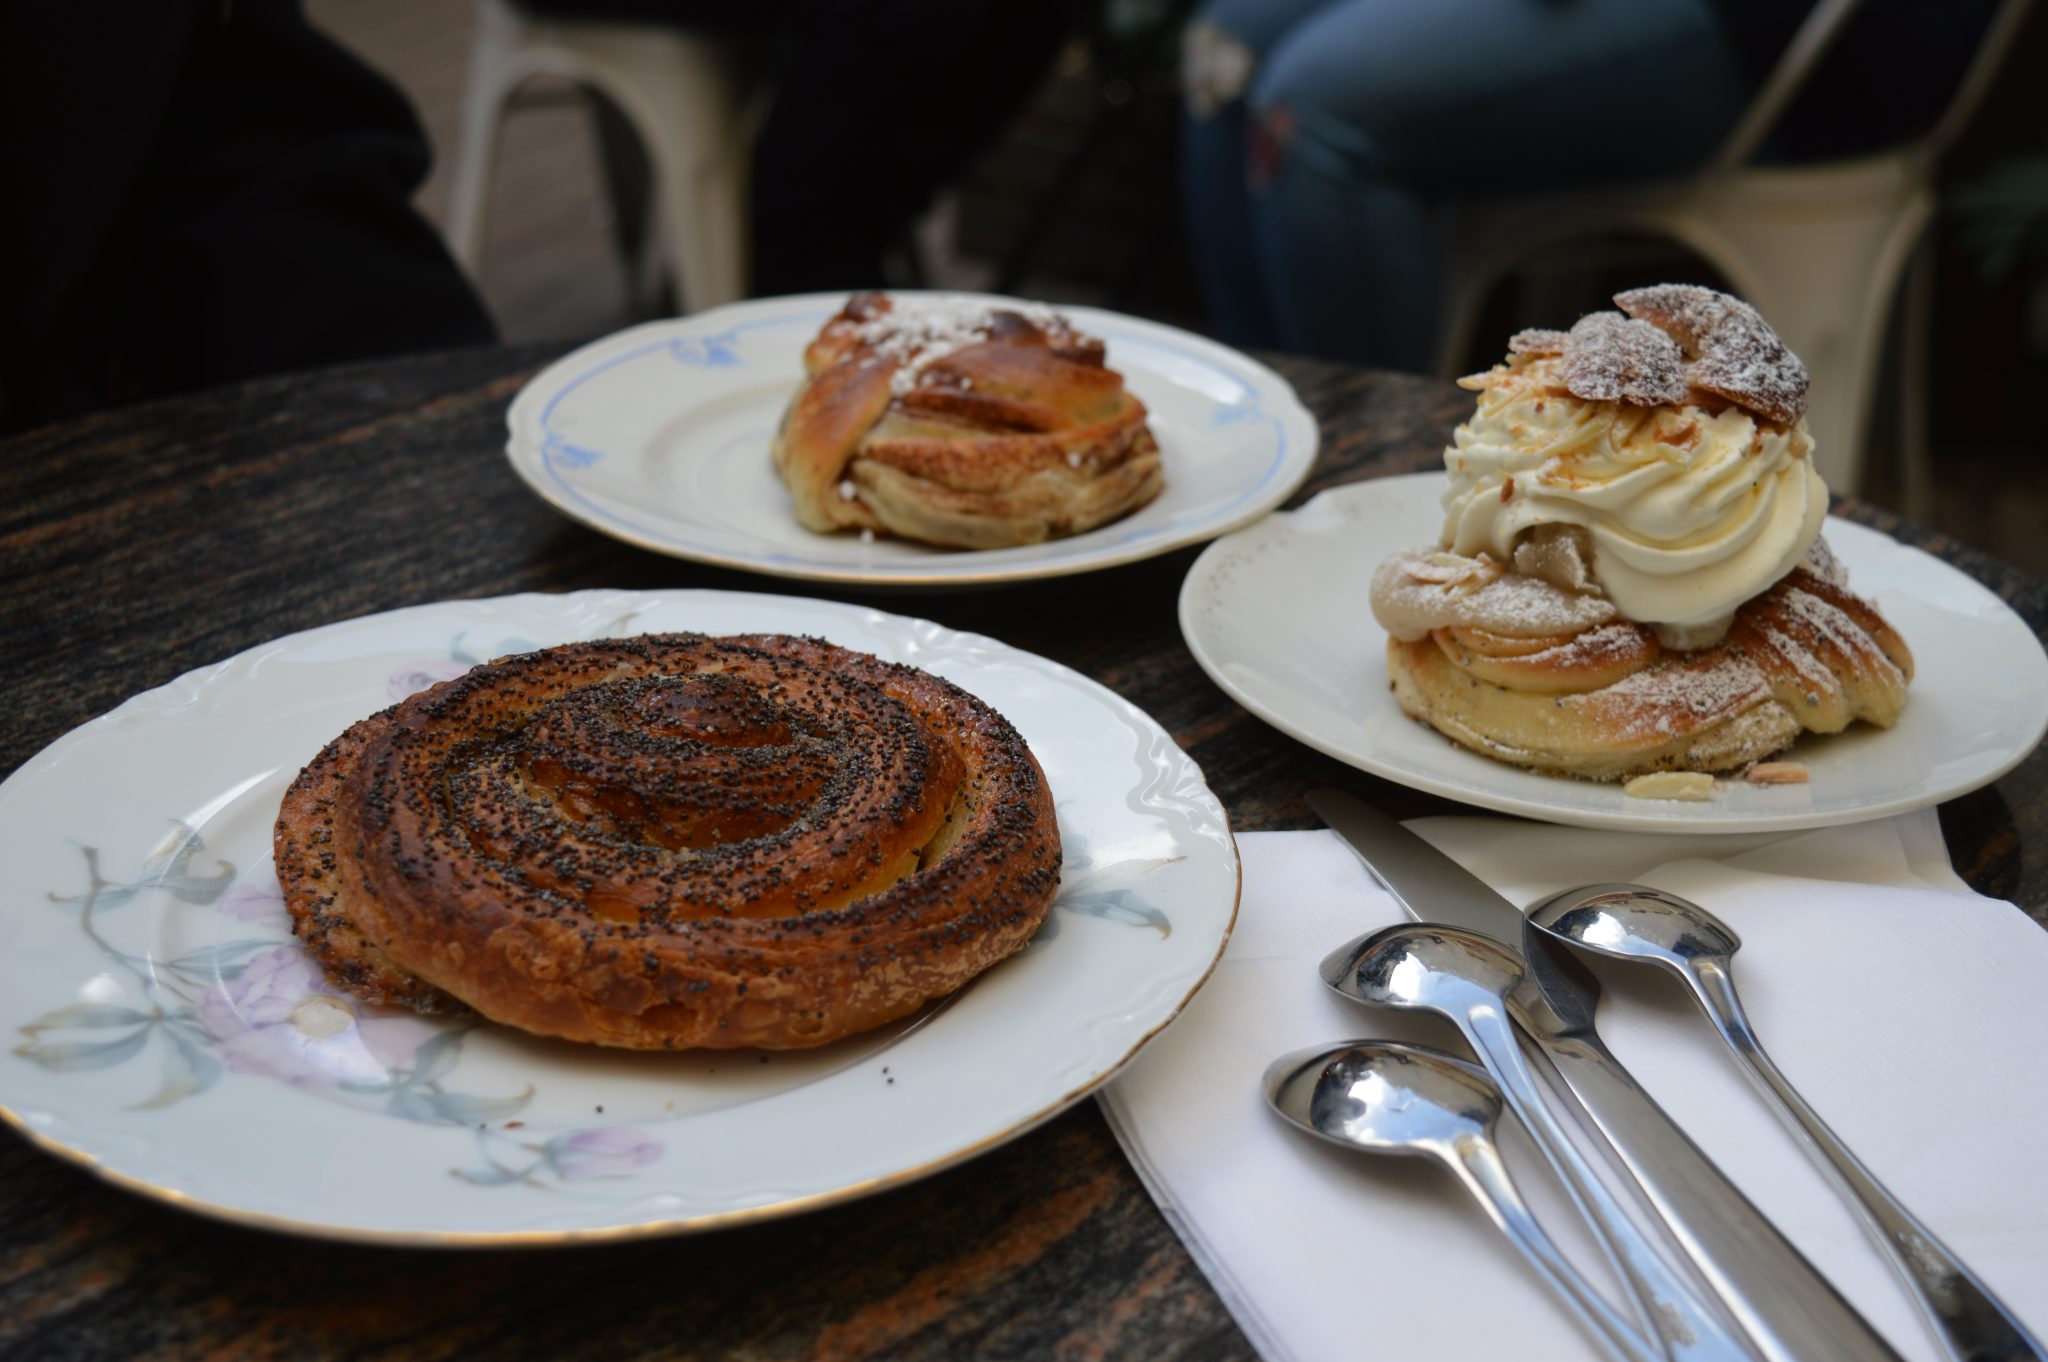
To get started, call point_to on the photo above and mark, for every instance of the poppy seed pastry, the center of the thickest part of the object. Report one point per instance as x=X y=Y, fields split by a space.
x=1631 y=576
x=962 y=423
x=671 y=842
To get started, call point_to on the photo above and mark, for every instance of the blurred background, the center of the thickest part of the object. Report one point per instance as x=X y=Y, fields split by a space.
x=1272 y=172
x=1079 y=197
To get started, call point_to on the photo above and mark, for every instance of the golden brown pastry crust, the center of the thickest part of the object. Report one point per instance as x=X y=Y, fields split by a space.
x=1676 y=343
x=1020 y=434
x=673 y=841
x=1609 y=702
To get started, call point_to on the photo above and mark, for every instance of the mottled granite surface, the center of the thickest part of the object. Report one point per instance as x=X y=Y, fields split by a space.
x=142 y=543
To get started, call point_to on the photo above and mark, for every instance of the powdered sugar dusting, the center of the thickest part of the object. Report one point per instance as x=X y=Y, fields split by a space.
x=918 y=330
x=1526 y=607
x=1605 y=644
x=1537 y=341
x=1612 y=358
x=1820 y=560
x=1701 y=688
x=1827 y=622
x=1813 y=674
x=1410 y=597
x=1688 y=312
x=1675 y=337
x=1732 y=349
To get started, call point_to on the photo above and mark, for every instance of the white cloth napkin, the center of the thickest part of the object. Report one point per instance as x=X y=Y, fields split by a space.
x=1912 y=1013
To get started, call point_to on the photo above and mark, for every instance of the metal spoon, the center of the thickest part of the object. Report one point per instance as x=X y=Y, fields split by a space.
x=1404 y=1099
x=1633 y=922
x=1466 y=978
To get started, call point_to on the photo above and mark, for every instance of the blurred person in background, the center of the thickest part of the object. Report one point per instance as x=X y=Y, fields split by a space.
x=212 y=190
x=1328 y=141
x=202 y=192
x=877 y=104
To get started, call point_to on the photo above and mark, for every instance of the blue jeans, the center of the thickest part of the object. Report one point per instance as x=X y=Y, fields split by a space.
x=1326 y=141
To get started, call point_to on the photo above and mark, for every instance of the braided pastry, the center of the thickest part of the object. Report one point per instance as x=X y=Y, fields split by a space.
x=672 y=841
x=952 y=422
x=1630 y=576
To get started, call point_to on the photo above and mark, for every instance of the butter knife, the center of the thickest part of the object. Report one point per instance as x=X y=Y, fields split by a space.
x=1790 y=1311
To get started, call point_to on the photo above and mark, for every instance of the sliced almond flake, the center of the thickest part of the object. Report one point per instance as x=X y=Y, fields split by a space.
x=1612 y=358
x=1777 y=773
x=1692 y=785
x=1733 y=351
x=1537 y=341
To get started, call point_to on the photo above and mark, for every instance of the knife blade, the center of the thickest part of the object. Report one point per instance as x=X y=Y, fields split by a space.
x=1789 y=1310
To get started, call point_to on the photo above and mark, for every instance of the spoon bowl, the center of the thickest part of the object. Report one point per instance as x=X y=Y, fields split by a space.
x=1384 y=1097
x=1635 y=922
x=1387 y=1098
x=1423 y=968
x=1468 y=978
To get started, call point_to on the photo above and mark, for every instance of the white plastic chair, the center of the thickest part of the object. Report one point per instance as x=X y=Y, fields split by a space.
x=686 y=96
x=1818 y=248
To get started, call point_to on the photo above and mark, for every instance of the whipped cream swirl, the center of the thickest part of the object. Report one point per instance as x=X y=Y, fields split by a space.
x=1690 y=511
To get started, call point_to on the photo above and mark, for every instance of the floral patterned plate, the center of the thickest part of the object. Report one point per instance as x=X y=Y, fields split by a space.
x=172 y=1036
x=659 y=436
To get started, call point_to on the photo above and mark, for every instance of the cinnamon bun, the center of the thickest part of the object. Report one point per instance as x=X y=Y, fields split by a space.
x=962 y=423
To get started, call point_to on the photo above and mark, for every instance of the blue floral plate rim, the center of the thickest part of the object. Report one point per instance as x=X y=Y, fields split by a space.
x=1236 y=442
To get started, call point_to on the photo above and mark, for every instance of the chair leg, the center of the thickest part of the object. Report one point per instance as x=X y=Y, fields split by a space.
x=682 y=96
x=1916 y=359
x=704 y=214
x=493 y=72
x=690 y=112
x=629 y=185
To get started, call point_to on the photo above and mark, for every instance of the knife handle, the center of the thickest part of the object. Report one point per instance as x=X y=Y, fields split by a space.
x=1790 y=1311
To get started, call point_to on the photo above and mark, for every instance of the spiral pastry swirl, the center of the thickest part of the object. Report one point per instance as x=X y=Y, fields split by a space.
x=1499 y=663
x=672 y=841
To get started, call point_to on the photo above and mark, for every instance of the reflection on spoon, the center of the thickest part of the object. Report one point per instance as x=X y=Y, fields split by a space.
x=1386 y=1098
x=1633 y=922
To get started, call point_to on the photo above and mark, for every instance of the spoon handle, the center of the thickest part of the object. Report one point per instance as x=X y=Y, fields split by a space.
x=1973 y=1324
x=1478 y=1165
x=1685 y=1326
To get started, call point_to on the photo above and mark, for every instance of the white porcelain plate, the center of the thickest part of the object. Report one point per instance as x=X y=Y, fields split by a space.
x=1277 y=615
x=173 y=1037
x=659 y=436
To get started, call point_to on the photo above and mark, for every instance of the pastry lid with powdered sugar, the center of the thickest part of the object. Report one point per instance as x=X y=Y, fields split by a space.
x=1656 y=456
